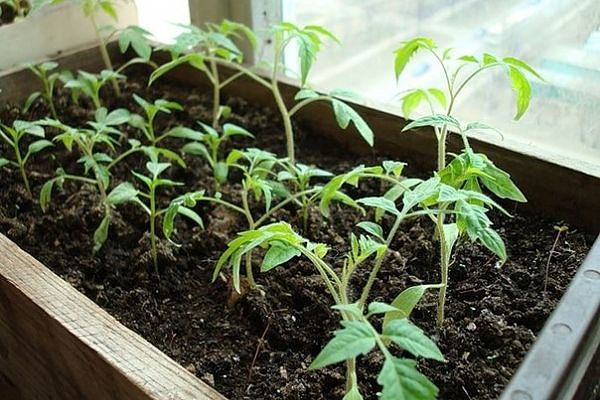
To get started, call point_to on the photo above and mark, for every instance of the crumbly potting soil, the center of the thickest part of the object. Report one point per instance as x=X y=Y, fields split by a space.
x=493 y=312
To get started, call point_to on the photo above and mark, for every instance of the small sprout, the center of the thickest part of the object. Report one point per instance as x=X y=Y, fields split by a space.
x=559 y=229
x=147 y=200
x=102 y=132
x=91 y=84
x=13 y=135
x=48 y=79
x=207 y=144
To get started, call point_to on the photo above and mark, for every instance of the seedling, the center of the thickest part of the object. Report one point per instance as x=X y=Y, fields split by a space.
x=91 y=9
x=301 y=175
x=48 y=79
x=559 y=229
x=207 y=144
x=309 y=40
x=96 y=163
x=13 y=136
x=126 y=192
x=209 y=46
x=469 y=170
x=91 y=84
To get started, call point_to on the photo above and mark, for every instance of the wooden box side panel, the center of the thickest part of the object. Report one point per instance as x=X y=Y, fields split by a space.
x=57 y=344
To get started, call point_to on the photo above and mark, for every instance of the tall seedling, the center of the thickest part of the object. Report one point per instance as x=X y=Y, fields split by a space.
x=468 y=170
x=204 y=49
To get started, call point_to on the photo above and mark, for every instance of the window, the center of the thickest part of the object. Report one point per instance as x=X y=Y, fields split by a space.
x=560 y=38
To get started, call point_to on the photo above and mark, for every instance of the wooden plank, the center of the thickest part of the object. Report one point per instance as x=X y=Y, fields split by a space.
x=55 y=344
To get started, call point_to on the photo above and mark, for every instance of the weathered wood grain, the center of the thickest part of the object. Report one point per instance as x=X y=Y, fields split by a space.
x=55 y=344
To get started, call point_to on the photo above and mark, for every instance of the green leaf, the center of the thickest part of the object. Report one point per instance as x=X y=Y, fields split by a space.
x=412 y=339
x=499 y=183
x=38 y=146
x=137 y=38
x=349 y=308
x=185 y=133
x=493 y=242
x=451 y=234
x=405 y=302
x=191 y=215
x=353 y=394
x=377 y=307
x=380 y=202
x=515 y=62
x=4 y=162
x=438 y=95
x=156 y=168
x=393 y=167
x=221 y=171
x=401 y=381
x=279 y=253
x=305 y=94
x=101 y=233
x=372 y=228
x=46 y=194
x=197 y=149
x=194 y=59
x=109 y=9
x=357 y=337
x=345 y=114
x=30 y=100
x=122 y=193
x=411 y=101
x=234 y=130
x=522 y=88
x=408 y=49
x=437 y=120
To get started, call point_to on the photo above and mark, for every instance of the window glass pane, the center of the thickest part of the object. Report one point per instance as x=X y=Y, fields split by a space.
x=161 y=17
x=560 y=38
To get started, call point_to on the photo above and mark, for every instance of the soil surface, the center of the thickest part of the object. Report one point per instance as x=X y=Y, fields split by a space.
x=260 y=347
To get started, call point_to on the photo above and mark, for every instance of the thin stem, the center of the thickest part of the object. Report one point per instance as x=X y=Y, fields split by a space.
x=22 y=167
x=153 y=248
x=246 y=71
x=251 y=225
x=444 y=266
x=122 y=156
x=326 y=273
x=283 y=203
x=48 y=90
x=547 y=269
x=306 y=102
x=373 y=275
x=216 y=94
x=104 y=54
x=231 y=79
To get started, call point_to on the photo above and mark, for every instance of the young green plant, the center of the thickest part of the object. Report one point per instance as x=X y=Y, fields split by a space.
x=207 y=144
x=96 y=163
x=13 y=135
x=48 y=79
x=90 y=84
x=469 y=170
x=147 y=200
x=203 y=49
x=20 y=8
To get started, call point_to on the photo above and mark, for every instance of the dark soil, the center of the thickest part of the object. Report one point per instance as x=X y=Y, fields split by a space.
x=7 y=14
x=493 y=313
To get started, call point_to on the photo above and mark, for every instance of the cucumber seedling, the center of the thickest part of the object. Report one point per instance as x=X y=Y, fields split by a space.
x=13 y=135
x=468 y=170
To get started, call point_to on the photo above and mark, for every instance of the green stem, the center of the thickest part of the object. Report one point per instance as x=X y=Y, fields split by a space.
x=22 y=168
x=251 y=225
x=282 y=204
x=373 y=275
x=216 y=94
x=306 y=102
x=153 y=248
x=444 y=267
x=104 y=54
x=122 y=156
x=48 y=90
